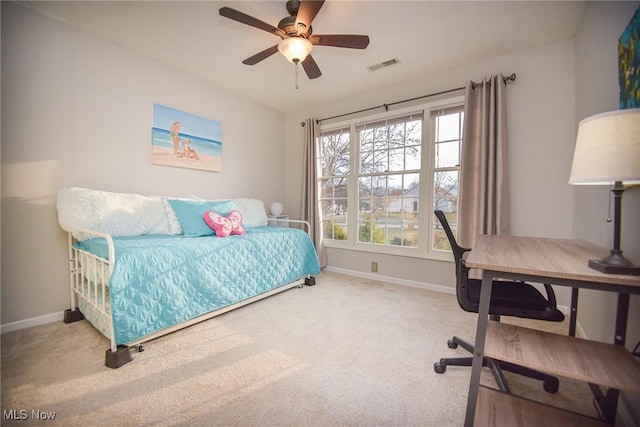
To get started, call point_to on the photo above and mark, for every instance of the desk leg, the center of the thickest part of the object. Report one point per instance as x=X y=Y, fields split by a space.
x=478 y=355
x=607 y=403
x=622 y=318
x=573 y=314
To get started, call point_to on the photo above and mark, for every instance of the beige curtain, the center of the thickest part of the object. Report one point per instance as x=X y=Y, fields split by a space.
x=309 y=210
x=483 y=201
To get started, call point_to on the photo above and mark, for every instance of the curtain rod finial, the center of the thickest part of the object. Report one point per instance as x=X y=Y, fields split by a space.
x=302 y=124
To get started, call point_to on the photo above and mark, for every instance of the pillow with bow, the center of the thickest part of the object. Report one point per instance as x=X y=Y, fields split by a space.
x=224 y=226
x=190 y=212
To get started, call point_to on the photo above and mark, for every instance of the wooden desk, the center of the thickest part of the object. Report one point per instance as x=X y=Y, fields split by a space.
x=559 y=262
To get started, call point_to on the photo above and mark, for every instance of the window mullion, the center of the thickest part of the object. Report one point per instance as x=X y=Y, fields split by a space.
x=426 y=177
x=354 y=172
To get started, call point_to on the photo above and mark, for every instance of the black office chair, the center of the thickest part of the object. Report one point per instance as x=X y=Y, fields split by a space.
x=508 y=298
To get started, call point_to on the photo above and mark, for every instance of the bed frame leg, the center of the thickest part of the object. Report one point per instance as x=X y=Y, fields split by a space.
x=310 y=281
x=120 y=357
x=71 y=316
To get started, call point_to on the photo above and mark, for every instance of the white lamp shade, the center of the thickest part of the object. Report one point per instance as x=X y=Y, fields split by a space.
x=608 y=149
x=295 y=49
x=276 y=208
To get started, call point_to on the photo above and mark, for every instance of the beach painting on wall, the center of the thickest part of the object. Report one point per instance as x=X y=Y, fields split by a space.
x=629 y=63
x=185 y=140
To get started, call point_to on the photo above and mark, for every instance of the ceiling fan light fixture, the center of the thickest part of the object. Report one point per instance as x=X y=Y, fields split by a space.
x=295 y=49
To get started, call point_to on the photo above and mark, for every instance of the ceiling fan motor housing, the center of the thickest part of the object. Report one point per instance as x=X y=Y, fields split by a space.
x=288 y=25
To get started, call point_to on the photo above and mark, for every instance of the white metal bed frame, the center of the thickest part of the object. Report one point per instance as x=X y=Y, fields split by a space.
x=89 y=277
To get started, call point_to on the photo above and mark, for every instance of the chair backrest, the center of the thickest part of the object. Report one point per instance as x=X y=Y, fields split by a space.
x=466 y=286
x=462 y=272
x=458 y=251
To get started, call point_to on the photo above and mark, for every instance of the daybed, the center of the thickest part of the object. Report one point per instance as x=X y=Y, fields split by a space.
x=141 y=267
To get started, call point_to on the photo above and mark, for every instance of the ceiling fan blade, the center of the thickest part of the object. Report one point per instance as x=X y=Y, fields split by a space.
x=243 y=18
x=252 y=60
x=307 y=11
x=351 y=41
x=311 y=68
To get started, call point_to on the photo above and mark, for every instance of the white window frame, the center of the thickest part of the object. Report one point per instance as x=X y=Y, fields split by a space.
x=427 y=173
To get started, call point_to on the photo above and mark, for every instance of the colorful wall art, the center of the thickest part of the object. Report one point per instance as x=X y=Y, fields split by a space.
x=629 y=63
x=185 y=140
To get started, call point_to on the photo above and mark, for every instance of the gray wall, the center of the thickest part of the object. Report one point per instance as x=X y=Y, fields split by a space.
x=541 y=126
x=596 y=92
x=77 y=111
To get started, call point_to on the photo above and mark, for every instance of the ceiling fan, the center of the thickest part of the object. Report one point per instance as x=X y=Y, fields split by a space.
x=296 y=34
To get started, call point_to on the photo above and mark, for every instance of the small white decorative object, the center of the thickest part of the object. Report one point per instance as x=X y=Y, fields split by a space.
x=276 y=208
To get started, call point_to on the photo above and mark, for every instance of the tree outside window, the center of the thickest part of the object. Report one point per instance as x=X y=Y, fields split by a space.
x=381 y=179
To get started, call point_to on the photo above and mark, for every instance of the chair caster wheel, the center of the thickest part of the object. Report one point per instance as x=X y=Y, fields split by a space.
x=452 y=344
x=551 y=386
x=439 y=367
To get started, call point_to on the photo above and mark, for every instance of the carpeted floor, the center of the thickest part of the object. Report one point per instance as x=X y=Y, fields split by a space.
x=348 y=352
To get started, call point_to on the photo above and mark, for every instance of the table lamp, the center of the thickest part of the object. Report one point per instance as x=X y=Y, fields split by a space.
x=276 y=208
x=608 y=150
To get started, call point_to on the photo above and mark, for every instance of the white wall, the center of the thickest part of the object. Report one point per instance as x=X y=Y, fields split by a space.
x=541 y=115
x=596 y=92
x=77 y=111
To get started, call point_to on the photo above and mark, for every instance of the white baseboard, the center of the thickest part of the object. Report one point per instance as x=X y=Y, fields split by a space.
x=394 y=280
x=415 y=284
x=29 y=323
x=623 y=411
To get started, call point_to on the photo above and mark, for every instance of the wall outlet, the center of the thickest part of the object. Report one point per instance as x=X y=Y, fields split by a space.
x=374 y=267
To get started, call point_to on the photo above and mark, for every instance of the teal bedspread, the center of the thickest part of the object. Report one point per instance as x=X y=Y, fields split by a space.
x=160 y=281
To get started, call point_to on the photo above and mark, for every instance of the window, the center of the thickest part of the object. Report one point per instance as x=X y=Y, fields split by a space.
x=447 y=138
x=335 y=166
x=389 y=181
x=382 y=177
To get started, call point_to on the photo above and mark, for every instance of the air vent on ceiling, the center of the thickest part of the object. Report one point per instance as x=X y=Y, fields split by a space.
x=383 y=64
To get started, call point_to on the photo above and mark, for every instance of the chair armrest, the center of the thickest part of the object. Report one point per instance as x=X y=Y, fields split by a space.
x=551 y=295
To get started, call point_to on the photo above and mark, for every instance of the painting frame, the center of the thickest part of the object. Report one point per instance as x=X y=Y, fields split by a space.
x=629 y=63
x=185 y=140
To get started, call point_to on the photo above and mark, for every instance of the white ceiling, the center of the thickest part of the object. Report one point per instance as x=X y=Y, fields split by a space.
x=425 y=36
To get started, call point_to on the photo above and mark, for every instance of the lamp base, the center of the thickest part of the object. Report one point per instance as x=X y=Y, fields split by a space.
x=603 y=267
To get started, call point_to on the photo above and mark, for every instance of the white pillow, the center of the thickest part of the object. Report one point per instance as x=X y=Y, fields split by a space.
x=117 y=214
x=174 y=223
x=253 y=212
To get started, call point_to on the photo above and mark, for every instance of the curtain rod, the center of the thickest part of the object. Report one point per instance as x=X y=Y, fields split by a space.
x=511 y=77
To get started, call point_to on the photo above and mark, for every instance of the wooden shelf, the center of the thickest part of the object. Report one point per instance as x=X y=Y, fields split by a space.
x=562 y=262
x=496 y=409
x=595 y=362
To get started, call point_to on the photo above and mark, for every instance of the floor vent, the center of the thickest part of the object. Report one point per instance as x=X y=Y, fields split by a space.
x=383 y=64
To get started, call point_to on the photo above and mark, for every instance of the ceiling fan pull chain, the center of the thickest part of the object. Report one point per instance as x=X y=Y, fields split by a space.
x=297 y=75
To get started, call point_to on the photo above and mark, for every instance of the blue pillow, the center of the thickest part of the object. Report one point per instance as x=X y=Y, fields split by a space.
x=190 y=214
